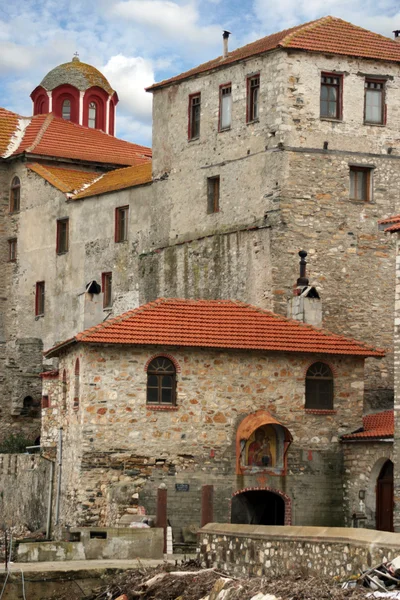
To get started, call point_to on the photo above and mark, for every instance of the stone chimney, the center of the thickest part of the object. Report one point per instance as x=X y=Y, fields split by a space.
x=305 y=304
x=225 y=37
x=397 y=35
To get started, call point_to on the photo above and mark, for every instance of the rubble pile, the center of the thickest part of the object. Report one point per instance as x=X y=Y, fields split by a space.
x=15 y=534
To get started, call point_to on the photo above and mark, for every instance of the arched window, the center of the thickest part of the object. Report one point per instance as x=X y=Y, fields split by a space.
x=319 y=387
x=15 y=194
x=76 y=386
x=161 y=382
x=64 y=390
x=66 y=110
x=92 y=115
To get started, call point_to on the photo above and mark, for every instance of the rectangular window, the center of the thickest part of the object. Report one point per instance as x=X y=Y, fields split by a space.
x=106 y=286
x=213 y=194
x=225 y=106
x=62 y=236
x=253 y=95
x=331 y=96
x=121 y=223
x=360 y=183
x=12 y=250
x=194 y=116
x=39 y=299
x=374 y=111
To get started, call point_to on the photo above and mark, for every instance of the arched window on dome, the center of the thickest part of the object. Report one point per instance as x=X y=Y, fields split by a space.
x=319 y=387
x=92 y=115
x=66 y=110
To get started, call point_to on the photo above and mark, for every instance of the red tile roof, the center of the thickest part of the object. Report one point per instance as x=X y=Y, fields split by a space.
x=327 y=35
x=118 y=180
x=216 y=324
x=65 y=180
x=376 y=426
x=393 y=222
x=8 y=126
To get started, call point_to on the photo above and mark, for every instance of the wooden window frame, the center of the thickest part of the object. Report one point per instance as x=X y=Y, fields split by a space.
x=121 y=233
x=95 y=114
x=311 y=403
x=213 y=194
x=40 y=299
x=368 y=183
x=70 y=109
x=45 y=401
x=381 y=82
x=12 y=250
x=339 y=87
x=60 y=248
x=191 y=116
x=106 y=287
x=223 y=87
x=153 y=372
x=15 y=195
x=250 y=118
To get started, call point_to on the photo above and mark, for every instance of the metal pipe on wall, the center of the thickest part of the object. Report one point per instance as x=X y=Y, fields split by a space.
x=60 y=440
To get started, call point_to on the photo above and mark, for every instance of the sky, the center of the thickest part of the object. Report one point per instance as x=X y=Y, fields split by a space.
x=137 y=42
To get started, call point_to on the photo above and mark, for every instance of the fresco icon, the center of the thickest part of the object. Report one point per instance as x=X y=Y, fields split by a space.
x=261 y=448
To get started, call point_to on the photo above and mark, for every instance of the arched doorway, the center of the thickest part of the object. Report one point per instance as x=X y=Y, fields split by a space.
x=258 y=507
x=384 y=498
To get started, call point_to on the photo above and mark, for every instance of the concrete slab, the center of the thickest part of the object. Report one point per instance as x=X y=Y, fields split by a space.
x=90 y=565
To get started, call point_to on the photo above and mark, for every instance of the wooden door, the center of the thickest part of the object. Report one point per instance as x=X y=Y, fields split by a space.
x=384 y=498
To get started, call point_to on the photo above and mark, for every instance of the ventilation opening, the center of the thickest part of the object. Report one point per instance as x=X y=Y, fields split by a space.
x=30 y=407
x=98 y=535
x=75 y=536
x=258 y=507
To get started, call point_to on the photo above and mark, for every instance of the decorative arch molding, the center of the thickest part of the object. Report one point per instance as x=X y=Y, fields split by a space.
x=332 y=367
x=99 y=97
x=164 y=355
x=111 y=118
x=287 y=499
x=66 y=92
x=40 y=99
x=245 y=430
x=373 y=471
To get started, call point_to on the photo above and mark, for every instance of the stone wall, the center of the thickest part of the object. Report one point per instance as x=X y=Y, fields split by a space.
x=335 y=553
x=396 y=440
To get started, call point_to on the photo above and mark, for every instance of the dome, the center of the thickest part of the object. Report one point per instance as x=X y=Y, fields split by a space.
x=78 y=74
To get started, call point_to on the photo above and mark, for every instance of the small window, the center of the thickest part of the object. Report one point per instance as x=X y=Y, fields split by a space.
x=39 y=299
x=161 y=382
x=253 y=95
x=374 y=111
x=106 y=285
x=225 y=107
x=15 y=195
x=331 y=96
x=213 y=194
x=121 y=223
x=45 y=402
x=194 y=116
x=64 y=390
x=360 y=183
x=319 y=387
x=92 y=115
x=12 y=250
x=76 y=385
x=66 y=110
x=62 y=236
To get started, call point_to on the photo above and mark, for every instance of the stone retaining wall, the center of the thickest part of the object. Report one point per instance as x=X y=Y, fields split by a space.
x=258 y=550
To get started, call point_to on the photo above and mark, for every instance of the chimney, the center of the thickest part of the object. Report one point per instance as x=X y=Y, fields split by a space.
x=397 y=35
x=225 y=37
x=305 y=304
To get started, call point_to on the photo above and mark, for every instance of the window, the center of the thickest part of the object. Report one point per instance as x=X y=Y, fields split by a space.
x=62 y=236
x=225 y=107
x=121 y=223
x=374 y=111
x=92 y=115
x=64 y=390
x=45 y=401
x=66 y=110
x=39 y=298
x=331 y=96
x=15 y=195
x=12 y=250
x=106 y=285
x=76 y=385
x=161 y=381
x=194 y=116
x=360 y=183
x=213 y=194
x=253 y=94
x=319 y=387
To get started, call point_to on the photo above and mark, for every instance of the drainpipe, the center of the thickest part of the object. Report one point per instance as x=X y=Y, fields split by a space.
x=50 y=498
x=59 y=474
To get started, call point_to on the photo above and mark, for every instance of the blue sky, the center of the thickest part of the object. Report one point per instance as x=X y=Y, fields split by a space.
x=137 y=42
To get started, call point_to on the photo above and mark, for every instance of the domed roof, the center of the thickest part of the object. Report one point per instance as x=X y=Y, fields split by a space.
x=78 y=74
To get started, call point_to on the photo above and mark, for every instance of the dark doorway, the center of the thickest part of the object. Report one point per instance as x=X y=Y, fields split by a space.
x=384 y=498
x=258 y=507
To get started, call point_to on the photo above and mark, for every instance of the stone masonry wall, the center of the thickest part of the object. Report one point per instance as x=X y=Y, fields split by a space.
x=396 y=440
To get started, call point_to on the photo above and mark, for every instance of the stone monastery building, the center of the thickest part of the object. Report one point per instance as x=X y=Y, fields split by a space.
x=158 y=282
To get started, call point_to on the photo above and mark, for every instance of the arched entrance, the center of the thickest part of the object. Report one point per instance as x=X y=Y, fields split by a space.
x=258 y=507
x=384 y=498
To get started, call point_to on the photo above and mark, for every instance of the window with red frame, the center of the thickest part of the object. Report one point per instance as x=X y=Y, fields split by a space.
x=12 y=250
x=253 y=96
x=40 y=298
x=62 y=236
x=106 y=285
x=92 y=115
x=194 y=116
x=121 y=223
